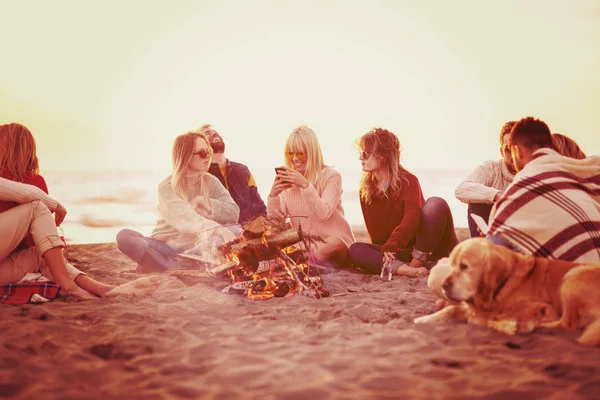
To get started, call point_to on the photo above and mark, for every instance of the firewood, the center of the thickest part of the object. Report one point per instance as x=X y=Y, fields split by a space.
x=280 y=239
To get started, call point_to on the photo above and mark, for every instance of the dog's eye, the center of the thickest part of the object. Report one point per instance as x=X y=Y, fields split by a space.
x=463 y=267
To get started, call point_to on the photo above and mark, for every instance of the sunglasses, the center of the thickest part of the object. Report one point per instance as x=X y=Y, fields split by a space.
x=300 y=155
x=364 y=155
x=203 y=153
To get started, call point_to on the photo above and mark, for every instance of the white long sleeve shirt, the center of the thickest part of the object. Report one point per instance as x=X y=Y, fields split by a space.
x=482 y=185
x=22 y=193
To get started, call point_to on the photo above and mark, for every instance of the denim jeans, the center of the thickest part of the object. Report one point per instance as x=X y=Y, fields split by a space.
x=481 y=209
x=435 y=239
x=154 y=254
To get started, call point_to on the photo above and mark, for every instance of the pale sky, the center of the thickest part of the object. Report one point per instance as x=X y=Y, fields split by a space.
x=109 y=84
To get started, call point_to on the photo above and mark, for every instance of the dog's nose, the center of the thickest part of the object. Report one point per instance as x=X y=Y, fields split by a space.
x=447 y=285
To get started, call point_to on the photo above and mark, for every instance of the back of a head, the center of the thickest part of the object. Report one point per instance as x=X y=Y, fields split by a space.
x=566 y=146
x=17 y=151
x=531 y=133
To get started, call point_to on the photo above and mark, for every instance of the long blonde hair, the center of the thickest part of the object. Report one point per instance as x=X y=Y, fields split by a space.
x=183 y=151
x=18 y=152
x=566 y=146
x=304 y=140
x=385 y=147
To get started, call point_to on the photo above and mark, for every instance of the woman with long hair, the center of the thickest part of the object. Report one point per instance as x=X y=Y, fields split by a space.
x=26 y=210
x=310 y=194
x=193 y=207
x=566 y=146
x=405 y=230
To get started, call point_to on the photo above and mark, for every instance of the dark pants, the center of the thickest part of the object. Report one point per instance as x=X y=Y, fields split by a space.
x=481 y=209
x=436 y=236
x=151 y=254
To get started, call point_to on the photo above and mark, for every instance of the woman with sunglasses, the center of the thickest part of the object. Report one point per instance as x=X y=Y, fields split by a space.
x=405 y=230
x=194 y=208
x=310 y=194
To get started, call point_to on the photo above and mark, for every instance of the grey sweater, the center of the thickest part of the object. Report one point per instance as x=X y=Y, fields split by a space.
x=180 y=225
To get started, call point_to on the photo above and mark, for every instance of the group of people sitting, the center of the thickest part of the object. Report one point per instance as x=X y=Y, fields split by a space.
x=542 y=198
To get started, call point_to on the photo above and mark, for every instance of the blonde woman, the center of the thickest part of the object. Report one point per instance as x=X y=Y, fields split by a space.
x=310 y=193
x=193 y=207
x=26 y=212
x=566 y=146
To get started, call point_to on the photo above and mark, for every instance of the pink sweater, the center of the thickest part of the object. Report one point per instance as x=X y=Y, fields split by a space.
x=318 y=208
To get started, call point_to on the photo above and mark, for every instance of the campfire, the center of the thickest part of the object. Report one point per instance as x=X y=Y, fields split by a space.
x=270 y=259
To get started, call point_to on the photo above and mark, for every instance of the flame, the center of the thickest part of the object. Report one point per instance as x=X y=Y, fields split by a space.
x=289 y=249
x=232 y=257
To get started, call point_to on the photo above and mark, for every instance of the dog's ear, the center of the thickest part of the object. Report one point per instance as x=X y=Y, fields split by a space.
x=497 y=265
x=522 y=267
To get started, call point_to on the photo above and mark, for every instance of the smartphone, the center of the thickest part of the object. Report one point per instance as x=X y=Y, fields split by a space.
x=480 y=222
x=277 y=169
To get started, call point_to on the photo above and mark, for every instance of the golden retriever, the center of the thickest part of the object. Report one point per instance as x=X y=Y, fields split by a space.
x=580 y=294
x=510 y=292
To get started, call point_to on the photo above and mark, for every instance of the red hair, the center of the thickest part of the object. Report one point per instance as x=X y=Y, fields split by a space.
x=18 y=152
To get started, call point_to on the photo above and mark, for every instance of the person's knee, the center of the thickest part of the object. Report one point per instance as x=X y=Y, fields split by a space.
x=355 y=250
x=436 y=205
x=127 y=239
x=38 y=208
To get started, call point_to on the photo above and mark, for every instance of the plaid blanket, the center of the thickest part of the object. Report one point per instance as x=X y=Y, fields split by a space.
x=21 y=293
x=552 y=208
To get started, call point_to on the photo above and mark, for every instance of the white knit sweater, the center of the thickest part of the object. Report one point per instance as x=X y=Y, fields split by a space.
x=482 y=185
x=180 y=225
x=22 y=193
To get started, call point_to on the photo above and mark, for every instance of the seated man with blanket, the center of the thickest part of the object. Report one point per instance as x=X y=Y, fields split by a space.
x=552 y=207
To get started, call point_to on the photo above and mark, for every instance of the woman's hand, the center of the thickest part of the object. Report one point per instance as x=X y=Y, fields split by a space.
x=59 y=214
x=202 y=205
x=279 y=186
x=225 y=233
x=388 y=257
x=294 y=177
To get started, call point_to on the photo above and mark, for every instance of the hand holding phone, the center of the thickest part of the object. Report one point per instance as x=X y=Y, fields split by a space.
x=481 y=224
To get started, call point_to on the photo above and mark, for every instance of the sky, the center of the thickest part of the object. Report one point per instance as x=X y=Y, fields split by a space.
x=109 y=85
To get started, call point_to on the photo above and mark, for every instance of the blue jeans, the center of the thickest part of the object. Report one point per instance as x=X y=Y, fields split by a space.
x=481 y=209
x=152 y=255
x=436 y=238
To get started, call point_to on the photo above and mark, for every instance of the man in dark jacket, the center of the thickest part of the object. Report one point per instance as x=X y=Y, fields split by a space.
x=235 y=177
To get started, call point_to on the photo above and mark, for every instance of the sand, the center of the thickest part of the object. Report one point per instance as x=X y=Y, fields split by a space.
x=191 y=341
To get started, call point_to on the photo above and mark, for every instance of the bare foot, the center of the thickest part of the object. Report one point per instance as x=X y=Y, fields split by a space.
x=77 y=292
x=411 y=272
x=140 y=287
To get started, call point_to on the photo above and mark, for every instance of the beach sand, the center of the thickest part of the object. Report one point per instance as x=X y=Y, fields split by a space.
x=190 y=341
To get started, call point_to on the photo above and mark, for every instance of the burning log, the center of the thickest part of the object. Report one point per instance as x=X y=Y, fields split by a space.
x=263 y=262
x=280 y=239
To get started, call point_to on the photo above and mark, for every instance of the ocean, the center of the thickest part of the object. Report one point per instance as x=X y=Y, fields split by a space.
x=100 y=203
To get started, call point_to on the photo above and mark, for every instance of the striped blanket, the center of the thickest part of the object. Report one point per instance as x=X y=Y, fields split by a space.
x=552 y=208
x=21 y=293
